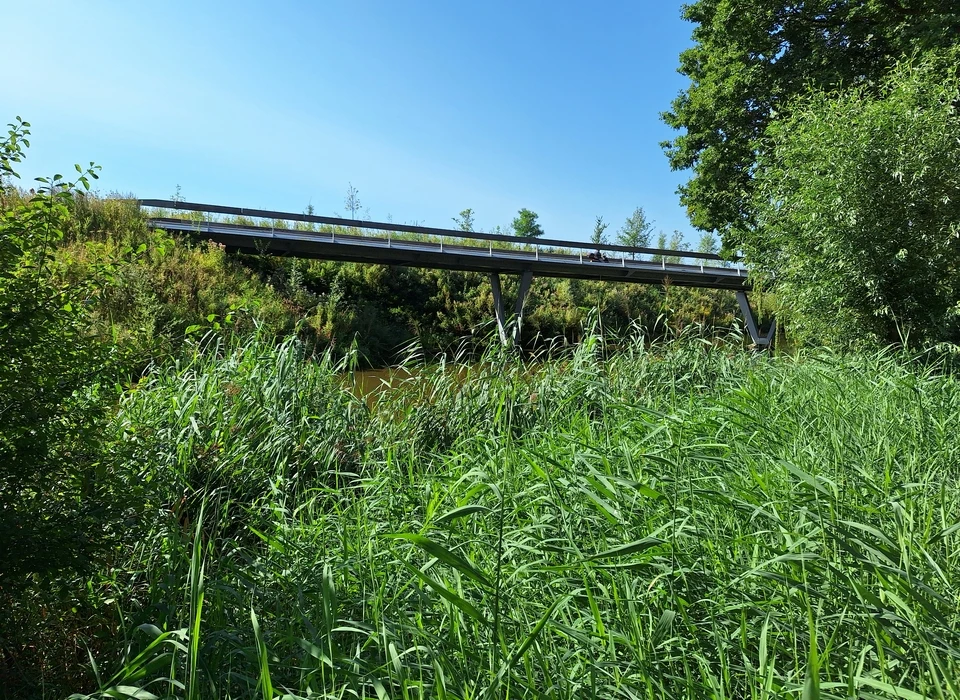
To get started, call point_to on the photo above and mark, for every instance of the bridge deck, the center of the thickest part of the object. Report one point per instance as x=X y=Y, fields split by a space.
x=386 y=250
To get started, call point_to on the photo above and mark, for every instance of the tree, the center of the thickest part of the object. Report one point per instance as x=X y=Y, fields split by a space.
x=751 y=57
x=635 y=232
x=661 y=245
x=352 y=201
x=857 y=200
x=464 y=221
x=525 y=225
x=676 y=243
x=708 y=244
x=598 y=228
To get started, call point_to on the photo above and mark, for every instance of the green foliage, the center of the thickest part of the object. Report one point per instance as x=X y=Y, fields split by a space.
x=63 y=507
x=708 y=244
x=680 y=520
x=676 y=243
x=750 y=59
x=50 y=410
x=662 y=245
x=635 y=231
x=525 y=225
x=858 y=210
x=598 y=228
x=166 y=289
x=464 y=221
x=351 y=202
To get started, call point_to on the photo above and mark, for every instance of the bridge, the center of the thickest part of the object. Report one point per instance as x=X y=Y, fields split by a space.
x=266 y=232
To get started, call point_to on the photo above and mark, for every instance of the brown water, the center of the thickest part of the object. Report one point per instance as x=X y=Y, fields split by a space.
x=368 y=383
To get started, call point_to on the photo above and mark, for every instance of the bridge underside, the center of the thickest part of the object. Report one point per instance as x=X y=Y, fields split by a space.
x=471 y=258
x=386 y=250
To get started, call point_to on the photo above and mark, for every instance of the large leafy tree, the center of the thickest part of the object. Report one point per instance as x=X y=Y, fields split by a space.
x=858 y=201
x=751 y=57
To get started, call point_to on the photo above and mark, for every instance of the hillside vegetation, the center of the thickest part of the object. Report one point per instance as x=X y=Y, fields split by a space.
x=152 y=290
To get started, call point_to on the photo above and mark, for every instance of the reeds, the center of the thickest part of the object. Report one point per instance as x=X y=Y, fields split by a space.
x=681 y=520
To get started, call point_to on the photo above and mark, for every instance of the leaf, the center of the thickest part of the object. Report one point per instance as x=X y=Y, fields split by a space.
x=449 y=595
x=537 y=629
x=895 y=691
x=129 y=692
x=265 y=684
x=446 y=556
x=816 y=482
x=628 y=549
x=461 y=512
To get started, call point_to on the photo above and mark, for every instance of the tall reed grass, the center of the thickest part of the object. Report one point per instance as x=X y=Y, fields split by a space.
x=677 y=520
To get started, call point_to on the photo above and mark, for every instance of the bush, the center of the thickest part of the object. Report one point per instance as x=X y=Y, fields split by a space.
x=59 y=499
x=859 y=207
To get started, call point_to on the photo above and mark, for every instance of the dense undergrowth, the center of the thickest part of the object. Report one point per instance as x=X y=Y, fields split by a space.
x=196 y=502
x=154 y=290
x=681 y=519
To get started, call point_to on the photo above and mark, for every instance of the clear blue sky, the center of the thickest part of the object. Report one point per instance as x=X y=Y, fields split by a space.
x=426 y=108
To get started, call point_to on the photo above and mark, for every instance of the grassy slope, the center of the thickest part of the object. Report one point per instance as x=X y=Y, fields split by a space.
x=680 y=521
x=156 y=287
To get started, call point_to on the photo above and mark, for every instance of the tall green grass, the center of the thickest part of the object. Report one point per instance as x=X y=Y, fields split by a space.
x=677 y=520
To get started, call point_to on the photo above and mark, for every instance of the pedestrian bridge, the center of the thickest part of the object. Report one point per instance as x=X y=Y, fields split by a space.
x=264 y=232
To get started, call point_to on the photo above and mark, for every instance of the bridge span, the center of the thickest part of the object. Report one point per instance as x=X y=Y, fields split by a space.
x=265 y=232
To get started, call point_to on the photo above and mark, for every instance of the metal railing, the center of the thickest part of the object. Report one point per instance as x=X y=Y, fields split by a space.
x=538 y=244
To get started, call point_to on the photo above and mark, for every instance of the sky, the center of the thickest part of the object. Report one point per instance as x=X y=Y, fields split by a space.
x=425 y=108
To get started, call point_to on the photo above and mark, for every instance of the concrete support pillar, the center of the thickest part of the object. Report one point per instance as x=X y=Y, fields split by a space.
x=766 y=341
x=509 y=328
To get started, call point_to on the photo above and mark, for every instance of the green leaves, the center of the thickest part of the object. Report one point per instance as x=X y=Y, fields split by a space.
x=444 y=555
x=525 y=225
x=749 y=62
x=52 y=415
x=625 y=550
x=855 y=194
x=461 y=512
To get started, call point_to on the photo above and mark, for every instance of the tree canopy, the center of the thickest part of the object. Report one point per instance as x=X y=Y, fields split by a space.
x=598 y=236
x=464 y=221
x=525 y=225
x=857 y=201
x=635 y=231
x=752 y=57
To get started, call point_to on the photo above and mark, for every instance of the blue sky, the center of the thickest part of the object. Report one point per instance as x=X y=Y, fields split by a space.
x=426 y=108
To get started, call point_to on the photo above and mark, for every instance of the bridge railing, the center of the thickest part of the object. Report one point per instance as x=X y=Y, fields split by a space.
x=269 y=218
